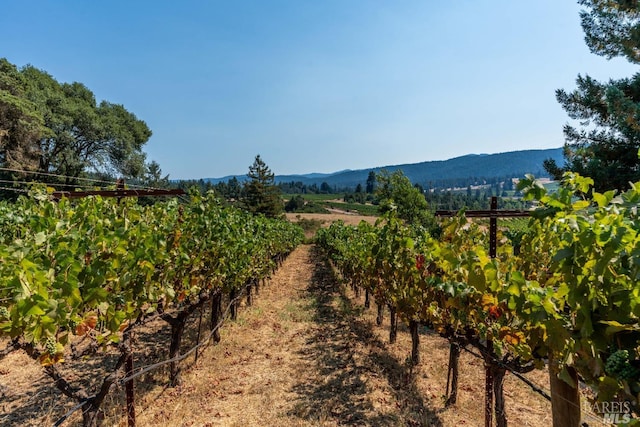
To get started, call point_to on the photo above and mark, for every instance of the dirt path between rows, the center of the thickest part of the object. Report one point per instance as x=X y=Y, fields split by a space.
x=306 y=353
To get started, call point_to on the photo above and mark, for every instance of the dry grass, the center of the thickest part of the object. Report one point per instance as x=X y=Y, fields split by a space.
x=304 y=354
x=313 y=221
x=25 y=390
x=326 y=219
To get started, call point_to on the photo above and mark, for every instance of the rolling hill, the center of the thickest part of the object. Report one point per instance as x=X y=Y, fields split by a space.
x=440 y=173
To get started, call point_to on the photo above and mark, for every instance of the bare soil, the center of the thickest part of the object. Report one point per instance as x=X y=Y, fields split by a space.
x=327 y=219
x=306 y=353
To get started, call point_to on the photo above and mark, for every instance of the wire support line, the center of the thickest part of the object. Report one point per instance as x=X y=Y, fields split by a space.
x=17 y=190
x=538 y=389
x=116 y=193
x=518 y=375
x=63 y=418
x=149 y=368
x=7 y=181
x=53 y=175
x=91 y=191
x=183 y=356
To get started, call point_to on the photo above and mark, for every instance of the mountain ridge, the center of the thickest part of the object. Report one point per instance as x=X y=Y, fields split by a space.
x=481 y=166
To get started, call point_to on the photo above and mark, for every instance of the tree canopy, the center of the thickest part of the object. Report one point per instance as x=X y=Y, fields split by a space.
x=606 y=143
x=261 y=195
x=21 y=126
x=59 y=128
x=395 y=191
x=612 y=28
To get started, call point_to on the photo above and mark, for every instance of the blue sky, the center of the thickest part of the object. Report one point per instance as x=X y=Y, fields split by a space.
x=316 y=86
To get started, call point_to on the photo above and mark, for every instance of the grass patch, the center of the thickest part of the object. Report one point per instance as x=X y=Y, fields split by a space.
x=309 y=225
x=360 y=208
x=315 y=197
x=295 y=312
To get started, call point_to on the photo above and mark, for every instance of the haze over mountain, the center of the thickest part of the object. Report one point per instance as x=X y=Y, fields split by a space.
x=513 y=164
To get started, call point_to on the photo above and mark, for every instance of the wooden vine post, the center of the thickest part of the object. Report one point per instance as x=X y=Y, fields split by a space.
x=393 y=324
x=491 y=369
x=233 y=295
x=178 y=323
x=129 y=385
x=498 y=394
x=380 y=316
x=249 y=284
x=565 y=397
x=488 y=390
x=199 y=331
x=415 y=342
x=216 y=315
x=452 y=374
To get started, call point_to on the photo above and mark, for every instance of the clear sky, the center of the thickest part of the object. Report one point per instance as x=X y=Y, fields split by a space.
x=316 y=85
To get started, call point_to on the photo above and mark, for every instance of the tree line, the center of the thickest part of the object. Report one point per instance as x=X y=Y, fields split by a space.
x=60 y=131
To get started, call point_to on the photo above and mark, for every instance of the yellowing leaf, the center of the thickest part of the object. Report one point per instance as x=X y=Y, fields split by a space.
x=488 y=301
x=510 y=336
x=81 y=329
x=46 y=359
x=580 y=204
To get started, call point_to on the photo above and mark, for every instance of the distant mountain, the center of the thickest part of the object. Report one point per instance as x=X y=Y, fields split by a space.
x=441 y=173
x=309 y=177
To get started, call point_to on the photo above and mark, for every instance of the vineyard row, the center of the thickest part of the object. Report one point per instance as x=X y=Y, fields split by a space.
x=562 y=293
x=78 y=277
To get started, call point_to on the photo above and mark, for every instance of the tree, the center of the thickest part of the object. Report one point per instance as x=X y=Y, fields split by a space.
x=371 y=182
x=612 y=28
x=325 y=188
x=294 y=204
x=395 y=191
x=80 y=135
x=21 y=126
x=606 y=146
x=261 y=195
x=153 y=176
x=234 y=189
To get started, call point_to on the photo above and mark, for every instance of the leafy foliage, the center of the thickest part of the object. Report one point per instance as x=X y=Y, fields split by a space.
x=95 y=266
x=612 y=28
x=605 y=145
x=20 y=124
x=571 y=294
x=60 y=128
x=395 y=192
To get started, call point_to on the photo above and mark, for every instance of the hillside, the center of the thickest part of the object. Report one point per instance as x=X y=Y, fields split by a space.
x=438 y=173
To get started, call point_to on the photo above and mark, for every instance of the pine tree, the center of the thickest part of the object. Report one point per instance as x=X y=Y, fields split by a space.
x=371 y=182
x=261 y=195
x=606 y=146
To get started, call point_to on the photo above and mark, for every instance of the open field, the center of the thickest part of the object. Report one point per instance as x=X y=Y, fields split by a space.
x=327 y=219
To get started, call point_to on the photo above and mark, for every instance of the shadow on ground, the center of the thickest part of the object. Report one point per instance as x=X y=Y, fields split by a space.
x=43 y=404
x=350 y=358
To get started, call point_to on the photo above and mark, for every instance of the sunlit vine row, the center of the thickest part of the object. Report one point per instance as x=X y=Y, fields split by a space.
x=572 y=293
x=94 y=266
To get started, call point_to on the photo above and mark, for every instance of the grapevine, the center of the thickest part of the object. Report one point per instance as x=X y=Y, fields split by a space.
x=569 y=294
x=94 y=268
x=618 y=365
